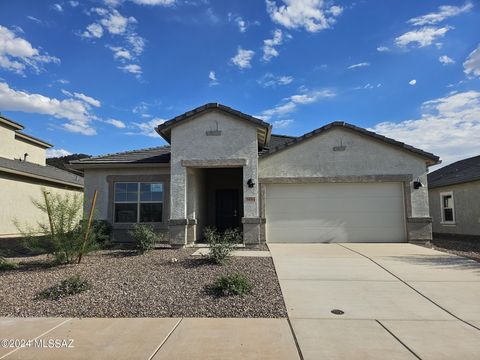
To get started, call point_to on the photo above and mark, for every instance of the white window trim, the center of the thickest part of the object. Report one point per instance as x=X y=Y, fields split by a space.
x=442 y=194
x=138 y=201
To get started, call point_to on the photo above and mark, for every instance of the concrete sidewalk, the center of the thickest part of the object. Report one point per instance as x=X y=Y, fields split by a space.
x=400 y=301
x=142 y=338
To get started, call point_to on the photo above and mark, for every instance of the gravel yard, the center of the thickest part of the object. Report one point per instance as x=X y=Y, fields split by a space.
x=466 y=248
x=128 y=285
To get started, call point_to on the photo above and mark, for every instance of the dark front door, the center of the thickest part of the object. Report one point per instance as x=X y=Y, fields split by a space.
x=227 y=214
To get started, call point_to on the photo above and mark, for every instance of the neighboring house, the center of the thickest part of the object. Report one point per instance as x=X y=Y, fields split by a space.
x=454 y=194
x=23 y=175
x=223 y=168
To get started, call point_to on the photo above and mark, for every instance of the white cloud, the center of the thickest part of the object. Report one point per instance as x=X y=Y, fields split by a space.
x=147 y=128
x=16 y=54
x=445 y=60
x=281 y=124
x=154 y=2
x=383 y=49
x=73 y=3
x=312 y=15
x=120 y=53
x=452 y=124
x=443 y=12
x=33 y=18
x=422 y=37
x=238 y=20
x=471 y=66
x=213 y=78
x=53 y=153
x=116 y=23
x=270 y=80
x=117 y=123
x=132 y=69
x=57 y=7
x=77 y=112
x=290 y=103
x=89 y=100
x=93 y=31
x=136 y=42
x=359 y=65
x=413 y=82
x=242 y=58
x=269 y=45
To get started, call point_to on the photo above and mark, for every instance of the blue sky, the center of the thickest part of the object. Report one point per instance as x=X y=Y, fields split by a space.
x=96 y=76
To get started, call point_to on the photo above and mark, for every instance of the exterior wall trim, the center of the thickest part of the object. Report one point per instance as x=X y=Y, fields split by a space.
x=337 y=179
x=212 y=163
x=165 y=179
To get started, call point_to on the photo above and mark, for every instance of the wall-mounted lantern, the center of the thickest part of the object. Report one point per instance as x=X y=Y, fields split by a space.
x=417 y=184
x=250 y=183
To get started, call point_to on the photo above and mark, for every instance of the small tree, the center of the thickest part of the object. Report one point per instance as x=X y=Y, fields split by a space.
x=62 y=235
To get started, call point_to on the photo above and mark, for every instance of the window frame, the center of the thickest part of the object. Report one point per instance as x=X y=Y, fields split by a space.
x=442 y=208
x=138 y=201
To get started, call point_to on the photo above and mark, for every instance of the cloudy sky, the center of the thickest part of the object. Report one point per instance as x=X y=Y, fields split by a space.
x=97 y=76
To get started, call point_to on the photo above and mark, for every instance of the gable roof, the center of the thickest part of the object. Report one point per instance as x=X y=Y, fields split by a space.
x=155 y=155
x=433 y=159
x=46 y=173
x=459 y=172
x=264 y=129
x=11 y=123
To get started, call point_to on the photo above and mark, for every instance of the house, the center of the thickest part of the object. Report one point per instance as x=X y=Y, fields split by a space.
x=23 y=176
x=223 y=168
x=454 y=195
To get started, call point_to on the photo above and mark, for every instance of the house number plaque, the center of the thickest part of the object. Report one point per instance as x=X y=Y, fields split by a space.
x=250 y=198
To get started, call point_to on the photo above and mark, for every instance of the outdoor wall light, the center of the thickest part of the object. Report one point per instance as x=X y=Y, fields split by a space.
x=250 y=183
x=417 y=184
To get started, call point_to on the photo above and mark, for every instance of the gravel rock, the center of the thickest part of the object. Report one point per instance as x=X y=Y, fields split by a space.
x=151 y=285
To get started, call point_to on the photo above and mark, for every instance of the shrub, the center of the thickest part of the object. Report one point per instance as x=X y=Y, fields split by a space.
x=7 y=265
x=235 y=284
x=144 y=237
x=221 y=244
x=70 y=286
x=100 y=233
x=62 y=233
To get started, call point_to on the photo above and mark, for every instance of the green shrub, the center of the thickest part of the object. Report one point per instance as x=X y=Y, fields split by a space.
x=70 y=286
x=144 y=237
x=7 y=265
x=61 y=234
x=235 y=284
x=221 y=244
x=100 y=233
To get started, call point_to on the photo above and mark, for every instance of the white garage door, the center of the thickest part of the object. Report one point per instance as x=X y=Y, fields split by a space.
x=305 y=213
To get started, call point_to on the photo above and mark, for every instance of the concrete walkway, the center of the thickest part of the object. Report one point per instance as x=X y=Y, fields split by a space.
x=142 y=338
x=399 y=301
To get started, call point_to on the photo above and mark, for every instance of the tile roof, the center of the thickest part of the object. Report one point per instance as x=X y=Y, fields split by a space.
x=459 y=172
x=47 y=172
x=434 y=159
x=160 y=154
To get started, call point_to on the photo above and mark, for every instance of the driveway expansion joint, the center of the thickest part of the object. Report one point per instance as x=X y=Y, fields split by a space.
x=400 y=341
x=411 y=287
x=165 y=340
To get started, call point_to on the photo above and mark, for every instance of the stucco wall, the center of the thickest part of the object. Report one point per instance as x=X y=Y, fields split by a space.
x=363 y=156
x=15 y=148
x=16 y=195
x=197 y=199
x=466 y=198
x=189 y=141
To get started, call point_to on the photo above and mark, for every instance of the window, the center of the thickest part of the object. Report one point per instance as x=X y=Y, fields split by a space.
x=138 y=202
x=448 y=209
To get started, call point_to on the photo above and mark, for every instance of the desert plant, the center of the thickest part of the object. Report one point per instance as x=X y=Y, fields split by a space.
x=228 y=285
x=221 y=245
x=144 y=237
x=61 y=233
x=7 y=265
x=70 y=286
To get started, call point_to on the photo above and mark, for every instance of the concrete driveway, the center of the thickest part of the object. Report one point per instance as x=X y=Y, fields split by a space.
x=400 y=301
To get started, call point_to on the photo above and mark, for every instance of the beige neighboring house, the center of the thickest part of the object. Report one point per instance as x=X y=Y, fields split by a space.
x=224 y=168
x=23 y=175
x=454 y=192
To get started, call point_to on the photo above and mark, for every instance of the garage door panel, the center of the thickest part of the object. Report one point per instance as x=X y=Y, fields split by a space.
x=335 y=212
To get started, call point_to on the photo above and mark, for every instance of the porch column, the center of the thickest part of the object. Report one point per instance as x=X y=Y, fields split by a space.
x=178 y=223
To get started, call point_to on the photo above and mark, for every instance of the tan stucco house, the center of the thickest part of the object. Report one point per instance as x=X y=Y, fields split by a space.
x=223 y=168
x=23 y=176
x=454 y=193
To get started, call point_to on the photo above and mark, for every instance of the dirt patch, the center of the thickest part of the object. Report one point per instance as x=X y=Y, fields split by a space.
x=124 y=284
